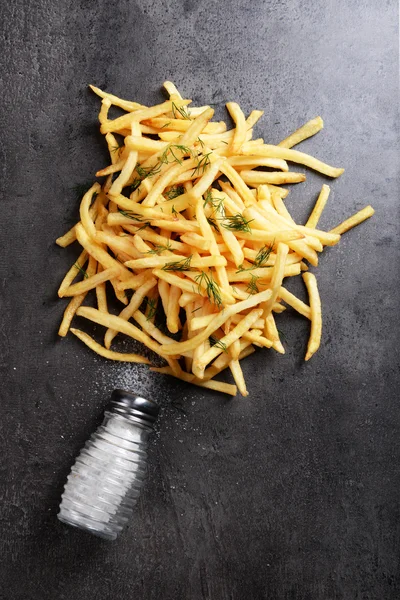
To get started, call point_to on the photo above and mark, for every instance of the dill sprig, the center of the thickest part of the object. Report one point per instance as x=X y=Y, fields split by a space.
x=196 y=309
x=260 y=260
x=201 y=142
x=213 y=223
x=152 y=306
x=115 y=149
x=130 y=215
x=165 y=125
x=202 y=164
x=77 y=266
x=237 y=223
x=144 y=173
x=178 y=265
x=159 y=248
x=252 y=287
x=217 y=204
x=181 y=110
x=218 y=343
x=212 y=288
x=263 y=255
x=172 y=149
x=174 y=192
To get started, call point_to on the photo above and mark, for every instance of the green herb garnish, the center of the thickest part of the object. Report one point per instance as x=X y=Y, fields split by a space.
x=78 y=266
x=237 y=223
x=252 y=287
x=185 y=114
x=174 y=192
x=218 y=343
x=179 y=265
x=212 y=288
x=152 y=306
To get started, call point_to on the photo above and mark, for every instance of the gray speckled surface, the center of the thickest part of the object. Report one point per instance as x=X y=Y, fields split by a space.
x=291 y=494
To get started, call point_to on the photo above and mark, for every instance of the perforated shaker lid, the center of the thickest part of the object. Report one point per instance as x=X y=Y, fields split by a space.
x=128 y=404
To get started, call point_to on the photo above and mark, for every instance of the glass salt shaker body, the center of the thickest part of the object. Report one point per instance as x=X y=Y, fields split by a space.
x=104 y=483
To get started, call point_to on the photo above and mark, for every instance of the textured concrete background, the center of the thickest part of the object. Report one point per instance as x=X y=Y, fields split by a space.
x=291 y=493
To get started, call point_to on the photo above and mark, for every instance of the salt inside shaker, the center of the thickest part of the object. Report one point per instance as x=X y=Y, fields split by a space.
x=105 y=481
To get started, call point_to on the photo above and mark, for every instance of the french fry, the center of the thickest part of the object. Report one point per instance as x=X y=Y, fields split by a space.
x=110 y=354
x=319 y=207
x=89 y=283
x=293 y=156
x=305 y=131
x=129 y=310
x=356 y=219
x=316 y=314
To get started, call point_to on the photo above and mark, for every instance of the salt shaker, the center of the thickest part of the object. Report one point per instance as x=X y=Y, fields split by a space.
x=105 y=481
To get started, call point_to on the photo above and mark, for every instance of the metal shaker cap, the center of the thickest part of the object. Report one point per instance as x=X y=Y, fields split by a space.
x=130 y=405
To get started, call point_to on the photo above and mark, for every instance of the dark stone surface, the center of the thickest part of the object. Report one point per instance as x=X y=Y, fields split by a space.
x=293 y=492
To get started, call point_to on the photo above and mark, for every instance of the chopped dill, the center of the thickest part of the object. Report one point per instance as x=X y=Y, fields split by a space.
x=203 y=163
x=237 y=223
x=217 y=204
x=212 y=288
x=174 y=192
x=196 y=309
x=130 y=215
x=218 y=343
x=263 y=255
x=152 y=306
x=172 y=149
x=159 y=248
x=213 y=223
x=181 y=110
x=178 y=265
x=77 y=266
x=252 y=287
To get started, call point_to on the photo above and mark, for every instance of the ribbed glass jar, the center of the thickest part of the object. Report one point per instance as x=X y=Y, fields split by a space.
x=105 y=481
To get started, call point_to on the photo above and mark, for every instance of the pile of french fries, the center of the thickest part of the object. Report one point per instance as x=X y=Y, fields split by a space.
x=190 y=232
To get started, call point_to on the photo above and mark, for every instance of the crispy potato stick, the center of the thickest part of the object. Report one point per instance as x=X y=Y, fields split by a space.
x=238 y=183
x=219 y=320
x=316 y=314
x=90 y=282
x=152 y=330
x=251 y=162
x=237 y=373
x=101 y=294
x=257 y=338
x=163 y=290
x=292 y=156
x=75 y=303
x=276 y=280
x=73 y=272
x=84 y=209
x=217 y=386
x=356 y=219
x=223 y=360
x=120 y=325
x=253 y=117
x=295 y=302
x=110 y=354
x=319 y=207
x=98 y=252
x=125 y=174
x=307 y=130
x=224 y=343
x=241 y=127
x=152 y=262
x=142 y=114
x=173 y=322
x=273 y=334
x=259 y=177
x=132 y=307
x=125 y=104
